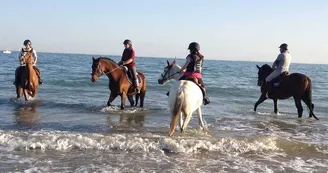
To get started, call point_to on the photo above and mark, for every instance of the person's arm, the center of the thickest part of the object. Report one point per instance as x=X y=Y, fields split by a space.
x=183 y=68
x=276 y=62
x=130 y=60
x=35 y=56
x=127 y=61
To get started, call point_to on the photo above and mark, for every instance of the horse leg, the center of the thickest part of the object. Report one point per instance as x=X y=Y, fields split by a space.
x=200 y=119
x=275 y=102
x=181 y=120
x=25 y=94
x=261 y=100
x=123 y=98
x=299 y=107
x=18 y=91
x=187 y=117
x=111 y=98
x=137 y=98
x=310 y=105
x=130 y=98
x=142 y=98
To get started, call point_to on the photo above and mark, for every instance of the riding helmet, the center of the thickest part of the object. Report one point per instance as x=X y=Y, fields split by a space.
x=284 y=46
x=194 y=46
x=127 y=41
x=26 y=42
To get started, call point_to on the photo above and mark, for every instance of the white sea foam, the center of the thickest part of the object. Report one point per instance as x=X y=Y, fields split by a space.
x=56 y=140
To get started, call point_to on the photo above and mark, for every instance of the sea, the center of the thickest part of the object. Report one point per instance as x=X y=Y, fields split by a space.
x=69 y=128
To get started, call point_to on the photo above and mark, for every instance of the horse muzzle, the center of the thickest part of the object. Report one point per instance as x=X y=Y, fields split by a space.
x=94 y=78
x=160 y=81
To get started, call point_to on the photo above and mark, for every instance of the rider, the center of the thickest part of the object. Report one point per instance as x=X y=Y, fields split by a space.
x=28 y=46
x=280 y=65
x=193 y=67
x=128 y=60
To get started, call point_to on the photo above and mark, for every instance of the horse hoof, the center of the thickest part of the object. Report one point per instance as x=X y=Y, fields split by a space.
x=108 y=104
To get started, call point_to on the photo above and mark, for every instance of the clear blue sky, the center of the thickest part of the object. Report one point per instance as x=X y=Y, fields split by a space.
x=228 y=30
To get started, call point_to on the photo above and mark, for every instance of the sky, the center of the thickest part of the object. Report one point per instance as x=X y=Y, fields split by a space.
x=247 y=30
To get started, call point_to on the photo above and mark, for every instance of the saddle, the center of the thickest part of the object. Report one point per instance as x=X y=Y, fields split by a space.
x=128 y=75
x=276 y=81
x=195 y=80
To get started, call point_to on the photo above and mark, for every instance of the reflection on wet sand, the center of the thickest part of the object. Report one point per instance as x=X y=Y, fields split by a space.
x=26 y=115
x=126 y=122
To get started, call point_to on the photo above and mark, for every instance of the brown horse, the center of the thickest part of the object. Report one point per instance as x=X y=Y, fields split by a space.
x=295 y=85
x=29 y=81
x=118 y=81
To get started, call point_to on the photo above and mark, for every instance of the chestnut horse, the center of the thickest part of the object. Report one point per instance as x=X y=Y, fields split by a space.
x=118 y=81
x=295 y=85
x=29 y=81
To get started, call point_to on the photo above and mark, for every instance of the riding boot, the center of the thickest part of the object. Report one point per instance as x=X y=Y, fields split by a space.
x=136 y=86
x=206 y=100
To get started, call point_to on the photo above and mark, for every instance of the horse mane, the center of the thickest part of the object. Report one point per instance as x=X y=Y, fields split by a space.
x=108 y=59
x=266 y=67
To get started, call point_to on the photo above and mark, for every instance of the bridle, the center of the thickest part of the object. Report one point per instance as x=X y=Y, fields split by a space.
x=168 y=73
x=98 y=73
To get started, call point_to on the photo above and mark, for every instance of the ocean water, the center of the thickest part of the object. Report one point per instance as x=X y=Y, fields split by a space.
x=69 y=128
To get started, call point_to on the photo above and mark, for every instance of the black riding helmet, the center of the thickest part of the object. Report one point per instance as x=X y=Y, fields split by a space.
x=26 y=42
x=194 y=46
x=127 y=41
x=284 y=46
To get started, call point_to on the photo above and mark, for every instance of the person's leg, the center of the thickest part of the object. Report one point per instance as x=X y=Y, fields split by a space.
x=268 y=84
x=206 y=99
x=134 y=78
x=37 y=70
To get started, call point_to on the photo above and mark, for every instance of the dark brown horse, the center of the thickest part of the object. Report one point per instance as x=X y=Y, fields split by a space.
x=118 y=81
x=295 y=85
x=29 y=81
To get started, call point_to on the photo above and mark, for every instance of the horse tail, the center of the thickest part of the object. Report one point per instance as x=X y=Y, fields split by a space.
x=176 y=113
x=308 y=98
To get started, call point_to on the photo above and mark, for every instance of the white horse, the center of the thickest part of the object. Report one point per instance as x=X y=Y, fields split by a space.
x=185 y=98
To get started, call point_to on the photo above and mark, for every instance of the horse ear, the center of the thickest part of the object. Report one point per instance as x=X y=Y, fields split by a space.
x=168 y=63
x=174 y=62
x=93 y=58
x=258 y=66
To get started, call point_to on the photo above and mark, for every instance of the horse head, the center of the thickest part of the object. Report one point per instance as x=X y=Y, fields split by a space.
x=263 y=72
x=27 y=58
x=169 y=72
x=97 y=69
x=102 y=65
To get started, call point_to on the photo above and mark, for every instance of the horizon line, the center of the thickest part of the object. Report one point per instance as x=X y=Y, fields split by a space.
x=171 y=57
